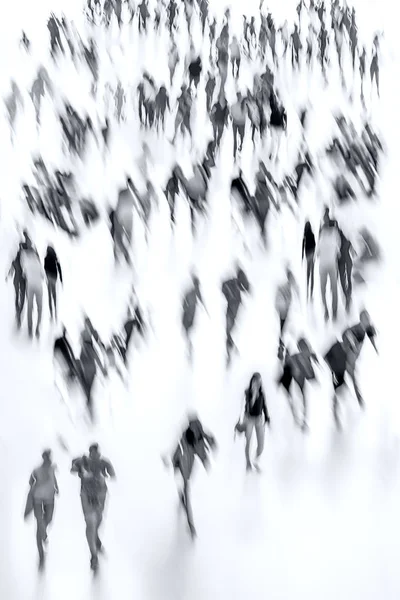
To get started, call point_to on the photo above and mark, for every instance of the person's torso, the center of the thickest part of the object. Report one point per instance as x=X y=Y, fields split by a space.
x=239 y=113
x=32 y=270
x=50 y=266
x=254 y=406
x=329 y=246
x=44 y=487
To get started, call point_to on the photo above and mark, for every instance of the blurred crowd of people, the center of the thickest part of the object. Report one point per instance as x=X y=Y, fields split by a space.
x=322 y=40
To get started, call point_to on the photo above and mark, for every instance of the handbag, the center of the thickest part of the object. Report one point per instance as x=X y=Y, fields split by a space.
x=240 y=426
x=29 y=504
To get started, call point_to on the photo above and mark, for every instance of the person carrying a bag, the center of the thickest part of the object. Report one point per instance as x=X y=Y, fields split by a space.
x=254 y=418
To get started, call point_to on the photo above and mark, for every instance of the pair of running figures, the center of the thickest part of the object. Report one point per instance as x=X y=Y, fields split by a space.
x=92 y=469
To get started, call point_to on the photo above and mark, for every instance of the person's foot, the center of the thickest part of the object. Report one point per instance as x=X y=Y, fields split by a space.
x=37 y=333
x=94 y=563
x=249 y=466
x=361 y=401
x=192 y=530
x=305 y=427
x=41 y=562
x=326 y=316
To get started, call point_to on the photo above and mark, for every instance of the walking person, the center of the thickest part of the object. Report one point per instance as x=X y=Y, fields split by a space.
x=190 y=300
x=255 y=418
x=299 y=368
x=194 y=442
x=283 y=303
x=93 y=471
x=328 y=252
x=345 y=267
x=34 y=276
x=53 y=271
x=235 y=57
x=89 y=360
x=19 y=279
x=308 y=252
x=43 y=488
x=233 y=289
x=239 y=117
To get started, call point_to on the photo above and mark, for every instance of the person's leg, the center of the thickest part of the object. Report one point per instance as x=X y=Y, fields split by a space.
x=349 y=274
x=351 y=369
x=40 y=530
x=99 y=514
x=334 y=283
x=39 y=304
x=248 y=434
x=260 y=434
x=342 y=276
x=90 y=519
x=323 y=275
x=235 y=134
x=50 y=297
x=48 y=511
x=188 y=506
x=30 y=295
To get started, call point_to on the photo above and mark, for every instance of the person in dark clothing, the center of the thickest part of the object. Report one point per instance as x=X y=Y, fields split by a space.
x=190 y=299
x=233 y=289
x=52 y=269
x=171 y=192
x=93 y=471
x=241 y=191
x=299 y=367
x=219 y=119
x=296 y=47
x=195 y=69
x=133 y=322
x=263 y=197
x=161 y=105
x=194 y=442
x=345 y=266
x=338 y=358
x=278 y=125
x=255 y=417
x=308 y=252
x=64 y=355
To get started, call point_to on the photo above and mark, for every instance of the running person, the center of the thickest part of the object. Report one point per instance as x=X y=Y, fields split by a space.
x=93 y=471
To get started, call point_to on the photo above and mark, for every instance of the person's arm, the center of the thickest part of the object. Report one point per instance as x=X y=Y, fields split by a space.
x=110 y=469
x=32 y=479
x=76 y=465
x=11 y=270
x=303 y=249
x=265 y=411
x=56 y=488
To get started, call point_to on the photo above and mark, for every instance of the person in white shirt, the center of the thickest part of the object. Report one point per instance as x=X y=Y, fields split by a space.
x=34 y=276
x=328 y=251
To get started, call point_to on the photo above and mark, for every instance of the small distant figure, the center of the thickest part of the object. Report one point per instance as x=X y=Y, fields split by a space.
x=308 y=253
x=53 y=272
x=190 y=301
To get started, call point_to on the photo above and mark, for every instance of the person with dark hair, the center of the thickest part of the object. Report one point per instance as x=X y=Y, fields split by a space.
x=93 y=471
x=190 y=300
x=43 y=487
x=255 y=417
x=328 y=251
x=338 y=358
x=308 y=252
x=233 y=289
x=194 y=442
x=278 y=124
x=299 y=367
x=53 y=271
x=171 y=192
x=64 y=356
x=239 y=118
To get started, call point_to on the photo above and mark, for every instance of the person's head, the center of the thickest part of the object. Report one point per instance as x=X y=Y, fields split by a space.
x=51 y=251
x=190 y=437
x=303 y=346
x=196 y=280
x=289 y=275
x=239 y=96
x=307 y=227
x=94 y=451
x=46 y=455
x=128 y=182
x=255 y=383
